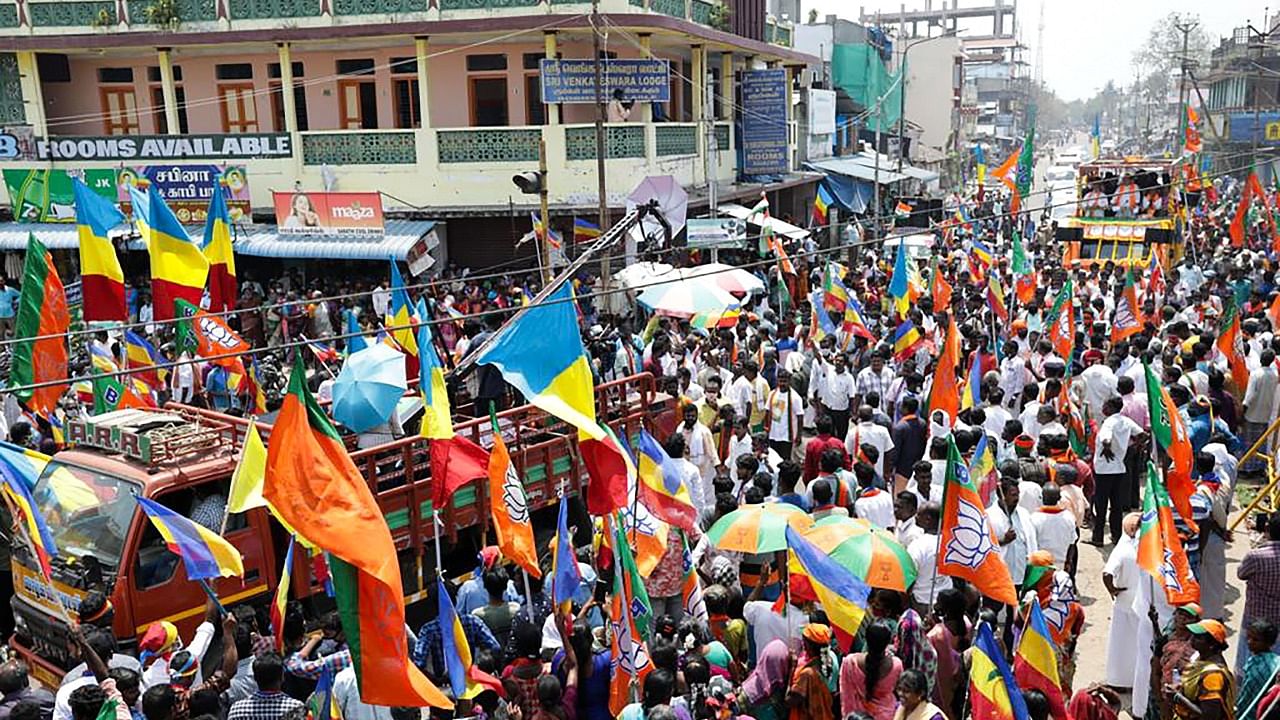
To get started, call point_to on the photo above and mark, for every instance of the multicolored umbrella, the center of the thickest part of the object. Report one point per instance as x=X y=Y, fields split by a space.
x=727 y=277
x=758 y=528
x=687 y=298
x=870 y=552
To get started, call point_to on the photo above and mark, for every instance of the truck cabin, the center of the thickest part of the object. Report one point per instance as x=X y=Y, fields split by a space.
x=1125 y=214
x=1124 y=189
x=184 y=457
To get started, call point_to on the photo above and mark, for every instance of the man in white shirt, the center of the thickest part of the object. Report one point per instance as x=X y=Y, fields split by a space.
x=750 y=394
x=873 y=504
x=347 y=694
x=1013 y=529
x=1056 y=528
x=701 y=493
x=1099 y=383
x=700 y=444
x=905 y=507
x=768 y=625
x=868 y=432
x=835 y=393
x=1260 y=402
x=381 y=299
x=1014 y=374
x=924 y=551
x=1121 y=576
x=1111 y=480
x=785 y=416
x=875 y=378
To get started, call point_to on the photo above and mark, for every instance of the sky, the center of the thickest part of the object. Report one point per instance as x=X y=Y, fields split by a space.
x=1088 y=42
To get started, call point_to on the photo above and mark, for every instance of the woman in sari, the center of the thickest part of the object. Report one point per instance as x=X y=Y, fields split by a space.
x=1208 y=689
x=913 y=648
x=867 y=679
x=764 y=690
x=809 y=696
x=912 y=699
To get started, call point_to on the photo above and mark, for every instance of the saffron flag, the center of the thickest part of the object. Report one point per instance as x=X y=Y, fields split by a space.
x=943 y=394
x=139 y=354
x=437 y=418
x=102 y=279
x=457 y=651
x=993 y=693
x=843 y=595
x=39 y=350
x=541 y=354
x=1035 y=662
x=1128 y=318
x=996 y=301
x=610 y=468
x=1169 y=432
x=628 y=619
x=905 y=339
x=1191 y=142
x=455 y=461
x=1003 y=170
x=898 y=284
x=661 y=486
x=210 y=335
x=1062 y=322
x=822 y=202
x=1251 y=187
x=1231 y=346
x=510 y=508
x=204 y=553
x=565 y=575
x=691 y=588
x=315 y=487
x=1160 y=550
x=968 y=548
x=217 y=250
x=280 y=603
x=178 y=268
x=940 y=290
x=584 y=230
x=27 y=513
x=401 y=319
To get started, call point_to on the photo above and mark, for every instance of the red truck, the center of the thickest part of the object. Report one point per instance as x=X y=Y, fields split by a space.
x=182 y=456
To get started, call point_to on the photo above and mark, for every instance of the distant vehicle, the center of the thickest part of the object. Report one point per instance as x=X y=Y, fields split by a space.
x=918 y=245
x=1059 y=175
x=1068 y=156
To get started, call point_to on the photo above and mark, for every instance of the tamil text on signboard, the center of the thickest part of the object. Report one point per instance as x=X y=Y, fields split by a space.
x=40 y=195
x=166 y=147
x=332 y=213
x=188 y=188
x=764 y=122
x=574 y=80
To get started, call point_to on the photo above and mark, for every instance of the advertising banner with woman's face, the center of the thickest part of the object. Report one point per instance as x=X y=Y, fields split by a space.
x=328 y=213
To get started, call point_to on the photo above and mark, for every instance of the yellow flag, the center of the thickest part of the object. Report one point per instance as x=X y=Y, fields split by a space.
x=250 y=474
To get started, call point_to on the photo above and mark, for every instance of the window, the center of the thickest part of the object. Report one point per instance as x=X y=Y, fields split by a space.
x=355 y=67
x=153 y=73
x=404 y=66
x=533 y=61
x=119 y=110
x=115 y=75
x=404 y=92
x=162 y=120
x=535 y=112
x=53 y=68
x=488 y=101
x=233 y=71
x=486 y=63
x=239 y=107
x=277 y=97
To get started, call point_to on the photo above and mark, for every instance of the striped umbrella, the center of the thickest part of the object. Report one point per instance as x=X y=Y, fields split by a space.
x=870 y=552
x=734 y=279
x=687 y=298
x=758 y=528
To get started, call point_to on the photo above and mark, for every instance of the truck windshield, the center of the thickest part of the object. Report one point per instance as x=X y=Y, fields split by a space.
x=87 y=511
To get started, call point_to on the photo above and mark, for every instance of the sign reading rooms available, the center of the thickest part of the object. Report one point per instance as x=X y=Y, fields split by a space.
x=166 y=147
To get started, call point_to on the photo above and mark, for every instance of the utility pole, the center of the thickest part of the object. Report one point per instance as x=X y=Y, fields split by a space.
x=1185 y=28
x=603 y=200
x=544 y=247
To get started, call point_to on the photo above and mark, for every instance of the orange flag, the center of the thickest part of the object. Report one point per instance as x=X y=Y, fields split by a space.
x=1160 y=550
x=314 y=486
x=1229 y=344
x=1128 y=318
x=1170 y=433
x=944 y=394
x=510 y=508
x=940 y=291
x=1273 y=314
x=968 y=547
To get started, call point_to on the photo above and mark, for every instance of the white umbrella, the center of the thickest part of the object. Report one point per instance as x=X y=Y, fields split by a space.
x=641 y=273
x=673 y=202
x=727 y=277
x=686 y=298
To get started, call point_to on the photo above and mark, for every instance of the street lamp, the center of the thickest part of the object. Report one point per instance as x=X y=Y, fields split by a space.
x=902 y=90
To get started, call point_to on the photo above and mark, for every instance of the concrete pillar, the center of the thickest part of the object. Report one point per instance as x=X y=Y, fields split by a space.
x=792 y=141
x=646 y=51
x=32 y=94
x=726 y=86
x=170 y=92
x=424 y=83
x=286 y=88
x=699 y=108
x=549 y=41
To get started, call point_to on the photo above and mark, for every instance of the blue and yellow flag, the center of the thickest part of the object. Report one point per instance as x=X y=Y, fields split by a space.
x=905 y=339
x=661 y=487
x=437 y=422
x=178 y=268
x=102 y=279
x=898 y=284
x=18 y=493
x=401 y=317
x=565 y=575
x=973 y=386
x=204 y=552
x=993 y=693
x=457 y=652
x=843 y=595
x=217 y=250
x=541 y=355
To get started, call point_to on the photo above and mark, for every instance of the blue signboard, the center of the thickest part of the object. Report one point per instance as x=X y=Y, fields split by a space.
x=574 y=81
x=764 y=122
x=1241 y=128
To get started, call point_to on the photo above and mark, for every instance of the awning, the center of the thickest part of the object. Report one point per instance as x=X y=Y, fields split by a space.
x=779 y=227
x=856 y=170
x=55 y=236
x=868 y=158
x=400 y=236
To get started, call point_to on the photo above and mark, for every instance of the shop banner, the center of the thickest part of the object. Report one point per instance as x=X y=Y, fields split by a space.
x=188 y=188
x=328 y=213
x=45 y=196
x=764 y=122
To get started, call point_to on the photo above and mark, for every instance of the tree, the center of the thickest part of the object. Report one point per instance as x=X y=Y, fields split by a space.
x=1162 y=52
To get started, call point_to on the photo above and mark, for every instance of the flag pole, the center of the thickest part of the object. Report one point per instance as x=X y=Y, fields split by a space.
x=323 y=364
x=17 y=513
x=528 y=593
x=208 y=590
x=226 y=514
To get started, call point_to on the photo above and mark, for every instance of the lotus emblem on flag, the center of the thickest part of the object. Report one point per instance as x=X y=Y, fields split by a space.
x=1171 y=581
x=217 y=334
x=971 y=539
x=513 y=497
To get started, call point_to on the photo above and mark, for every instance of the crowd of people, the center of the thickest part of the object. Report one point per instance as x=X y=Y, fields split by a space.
x=798 y=403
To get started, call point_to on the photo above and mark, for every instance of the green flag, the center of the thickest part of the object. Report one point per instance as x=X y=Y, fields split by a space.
x=627 y=582
x=1021 y=266
x=107 y=394
x=1161 y=427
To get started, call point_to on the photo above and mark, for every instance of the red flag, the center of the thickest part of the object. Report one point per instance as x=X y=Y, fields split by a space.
x=608 y=466
x=1192 y=143
x=454 y=463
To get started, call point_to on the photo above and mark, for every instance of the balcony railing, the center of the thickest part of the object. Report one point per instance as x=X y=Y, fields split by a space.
x=620 y=141
x=487 y=145
x=359 y=147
